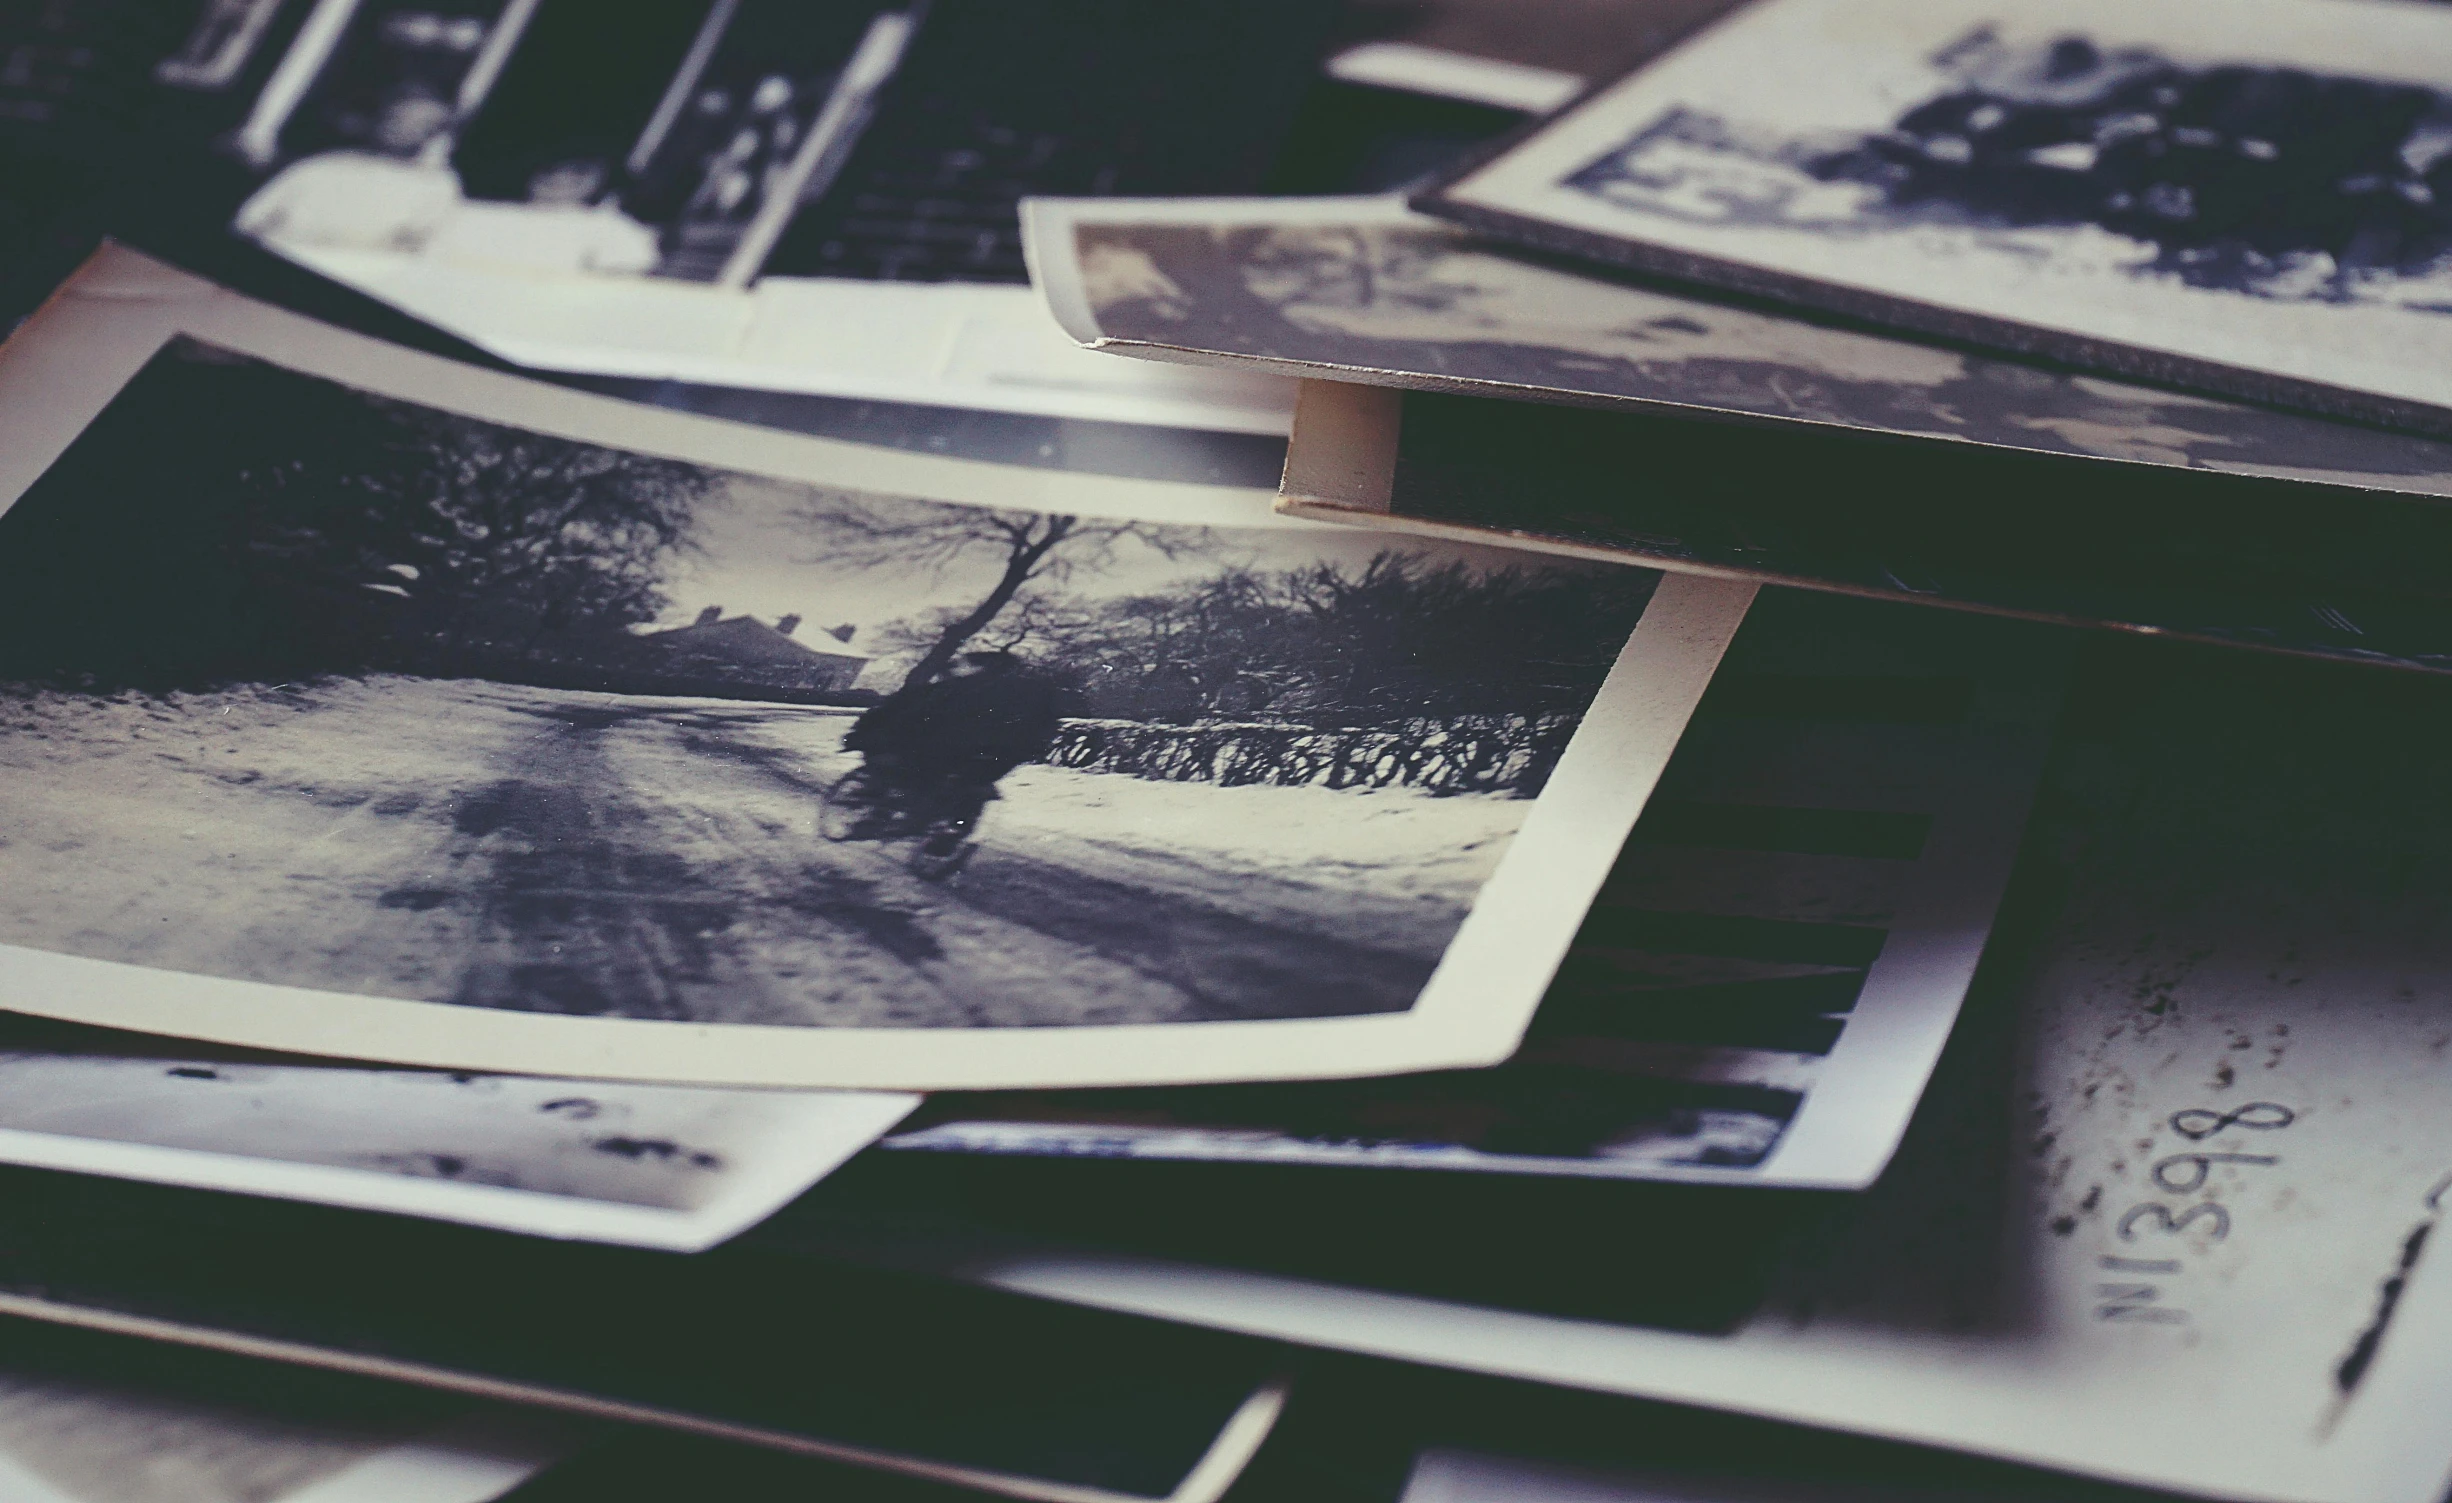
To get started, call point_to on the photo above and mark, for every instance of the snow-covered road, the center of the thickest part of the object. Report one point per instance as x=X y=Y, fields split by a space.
x=586 y=853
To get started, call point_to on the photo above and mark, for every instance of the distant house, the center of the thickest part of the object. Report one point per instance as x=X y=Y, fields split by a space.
x=745 y=653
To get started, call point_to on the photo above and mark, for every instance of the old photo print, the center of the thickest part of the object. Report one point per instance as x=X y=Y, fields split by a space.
x=2243 y=198
x=757 y=194
x=1365 y=290
x=356 y=694
x=567 y=729
x=680 y=1168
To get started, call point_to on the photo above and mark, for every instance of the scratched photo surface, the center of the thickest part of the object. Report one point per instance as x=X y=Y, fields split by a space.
x=317 y=688
x=1389 y=296
x=2247 y=198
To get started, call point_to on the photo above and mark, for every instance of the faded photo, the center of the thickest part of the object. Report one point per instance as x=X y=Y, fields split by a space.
x=1401 y=298
x=422 y=132
x=336 y=691
x=2273 y=181
x=712 y=141
x=2122 y=186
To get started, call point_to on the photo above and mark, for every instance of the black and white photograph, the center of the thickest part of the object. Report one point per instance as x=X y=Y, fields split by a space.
x=1225 y=751
x=804 y=195
x=361 y=696
x=497 y=132
x=680 y=1168
x=2243 y=198
x=1365 y=290
x=698 y=140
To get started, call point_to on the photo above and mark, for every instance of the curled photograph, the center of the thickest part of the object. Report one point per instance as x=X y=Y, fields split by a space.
x=313 y=687
x=1363 y=290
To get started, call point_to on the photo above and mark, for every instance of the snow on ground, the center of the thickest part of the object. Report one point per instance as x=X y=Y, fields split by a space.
x=401 y=729
x=182 y=756
x=376 y=836
x=131 y=824
x=1384 y=844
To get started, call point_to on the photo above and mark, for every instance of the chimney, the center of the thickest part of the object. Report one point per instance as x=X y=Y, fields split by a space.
x=841 y=633
x=709 y=616
x=787 y=624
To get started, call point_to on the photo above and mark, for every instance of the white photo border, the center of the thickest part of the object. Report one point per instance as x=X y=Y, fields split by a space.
x=65 y=366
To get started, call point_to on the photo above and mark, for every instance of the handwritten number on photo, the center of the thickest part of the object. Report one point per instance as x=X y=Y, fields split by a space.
x=2172 y=1225
x=2181 y=1174
x=2198 y=1123
x=2196 y=1166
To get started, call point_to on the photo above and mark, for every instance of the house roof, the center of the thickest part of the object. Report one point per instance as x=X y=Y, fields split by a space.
x=750 y=640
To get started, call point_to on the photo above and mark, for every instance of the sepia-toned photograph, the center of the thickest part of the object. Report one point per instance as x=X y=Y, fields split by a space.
x=2210 y=196
x=347 y=693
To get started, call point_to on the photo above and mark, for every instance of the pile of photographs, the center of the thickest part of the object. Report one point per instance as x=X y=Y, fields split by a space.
x=808 y=196
x=1701 y=902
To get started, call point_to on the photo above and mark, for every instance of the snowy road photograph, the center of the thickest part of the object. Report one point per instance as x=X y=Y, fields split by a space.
x=313 y=687
x=559 y=851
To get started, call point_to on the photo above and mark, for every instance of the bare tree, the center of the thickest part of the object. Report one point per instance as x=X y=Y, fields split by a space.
x=1039 y=619
x=1033 y=548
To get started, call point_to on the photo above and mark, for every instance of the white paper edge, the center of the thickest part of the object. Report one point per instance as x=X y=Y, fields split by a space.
x=777 y=344
x=771 y=1179
x=1412 y=68
x=1873 y=1080
x=1048 y=226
